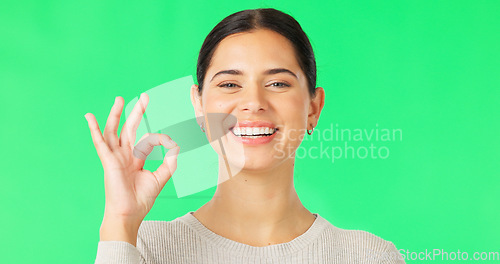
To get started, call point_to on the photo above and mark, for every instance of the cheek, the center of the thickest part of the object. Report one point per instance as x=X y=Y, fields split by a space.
x=293 y=110
x=293 y=113
x=217 y=103
x=220 y=106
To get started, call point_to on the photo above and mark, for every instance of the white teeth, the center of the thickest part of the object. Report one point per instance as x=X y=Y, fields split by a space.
x=253 y=132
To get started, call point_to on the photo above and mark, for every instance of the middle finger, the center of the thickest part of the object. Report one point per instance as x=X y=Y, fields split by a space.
x=127 y=135
x=110 y=131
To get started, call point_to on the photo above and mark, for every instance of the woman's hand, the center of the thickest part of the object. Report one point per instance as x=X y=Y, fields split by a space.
x=130 y=190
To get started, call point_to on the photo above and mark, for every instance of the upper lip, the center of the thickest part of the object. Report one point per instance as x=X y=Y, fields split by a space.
x=256 y=123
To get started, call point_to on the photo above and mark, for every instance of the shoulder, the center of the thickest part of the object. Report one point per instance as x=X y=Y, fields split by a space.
x=166 y=239
x=353 y=246
x=152 y=228
x=172 y=231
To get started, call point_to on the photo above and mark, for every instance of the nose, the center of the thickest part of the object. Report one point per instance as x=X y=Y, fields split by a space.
x=253 y=99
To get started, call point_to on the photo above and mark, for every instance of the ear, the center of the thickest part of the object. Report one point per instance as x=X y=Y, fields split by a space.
x=315 y=106
x=196 y=101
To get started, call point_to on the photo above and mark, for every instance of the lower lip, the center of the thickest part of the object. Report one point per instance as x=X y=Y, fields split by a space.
x=253 y=141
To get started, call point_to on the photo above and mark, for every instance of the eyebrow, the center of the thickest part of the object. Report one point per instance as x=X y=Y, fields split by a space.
x=267 y=72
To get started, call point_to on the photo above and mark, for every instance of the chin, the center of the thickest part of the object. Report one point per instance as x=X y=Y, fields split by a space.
x=259 y=162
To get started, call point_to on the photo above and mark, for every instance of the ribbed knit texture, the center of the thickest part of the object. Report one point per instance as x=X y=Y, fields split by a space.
x=186 y=240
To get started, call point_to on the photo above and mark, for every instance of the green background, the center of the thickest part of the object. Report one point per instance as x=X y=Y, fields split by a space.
x=429 y=68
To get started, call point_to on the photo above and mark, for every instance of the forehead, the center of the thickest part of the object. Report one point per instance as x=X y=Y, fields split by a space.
x=255 y=50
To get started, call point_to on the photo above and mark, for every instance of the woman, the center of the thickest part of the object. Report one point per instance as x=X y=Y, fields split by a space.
x=258 y=66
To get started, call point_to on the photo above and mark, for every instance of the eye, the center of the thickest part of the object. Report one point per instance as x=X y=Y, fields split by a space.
x=279 y=84
x=228 y=85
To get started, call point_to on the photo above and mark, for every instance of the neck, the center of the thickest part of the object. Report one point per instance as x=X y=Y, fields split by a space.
x=257 y=207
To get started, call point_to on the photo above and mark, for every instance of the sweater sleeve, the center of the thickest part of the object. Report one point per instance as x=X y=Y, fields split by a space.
x=114 y=252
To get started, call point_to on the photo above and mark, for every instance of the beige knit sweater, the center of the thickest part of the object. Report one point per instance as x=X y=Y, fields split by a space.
x=186 y=240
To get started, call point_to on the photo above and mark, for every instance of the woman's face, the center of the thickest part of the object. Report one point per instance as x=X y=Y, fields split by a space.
x=255 y=79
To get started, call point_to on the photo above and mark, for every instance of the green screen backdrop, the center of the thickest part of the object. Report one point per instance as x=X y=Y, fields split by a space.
x=415 y=81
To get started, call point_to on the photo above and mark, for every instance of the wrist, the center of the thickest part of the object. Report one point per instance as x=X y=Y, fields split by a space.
x=119 y=229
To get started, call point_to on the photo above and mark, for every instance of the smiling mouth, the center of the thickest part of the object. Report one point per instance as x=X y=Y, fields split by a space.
x=253 y=132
